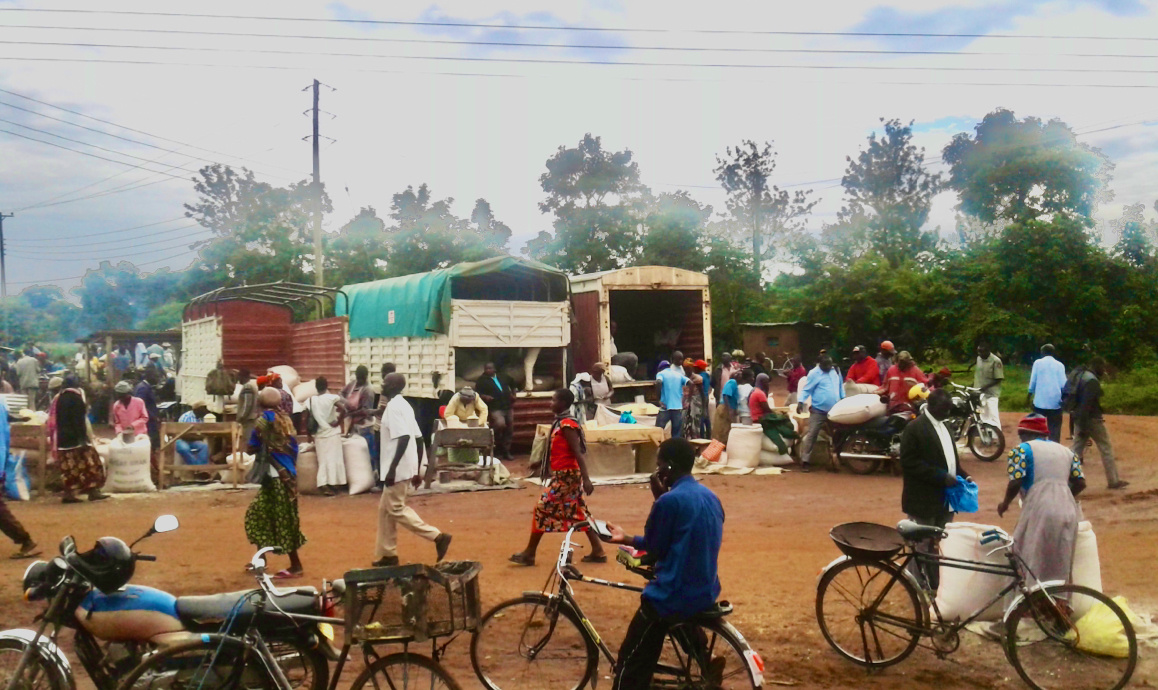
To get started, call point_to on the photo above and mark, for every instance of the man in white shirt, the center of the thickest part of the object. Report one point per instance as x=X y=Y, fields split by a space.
x=401 y=461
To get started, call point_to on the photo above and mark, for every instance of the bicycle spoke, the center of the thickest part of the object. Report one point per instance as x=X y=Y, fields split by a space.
x=868 y=613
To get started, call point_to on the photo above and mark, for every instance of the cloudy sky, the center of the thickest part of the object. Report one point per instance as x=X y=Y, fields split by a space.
x=435 y=93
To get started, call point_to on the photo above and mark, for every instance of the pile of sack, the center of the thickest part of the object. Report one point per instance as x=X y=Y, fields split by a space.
x=360 y=475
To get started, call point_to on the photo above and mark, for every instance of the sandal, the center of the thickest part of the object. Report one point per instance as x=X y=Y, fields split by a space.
x=521 y=559
x=286 y=575
x=26 y=551
x=592 y=558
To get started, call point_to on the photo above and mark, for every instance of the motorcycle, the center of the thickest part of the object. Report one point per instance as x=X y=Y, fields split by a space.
x=118 y=624
x=985 y=441
x=863 y=448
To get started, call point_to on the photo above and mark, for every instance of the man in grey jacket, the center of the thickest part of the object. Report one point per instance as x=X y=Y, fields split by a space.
x=1089 y=425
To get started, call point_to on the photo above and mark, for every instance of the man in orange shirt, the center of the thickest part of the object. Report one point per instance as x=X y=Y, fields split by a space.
x=864 y=376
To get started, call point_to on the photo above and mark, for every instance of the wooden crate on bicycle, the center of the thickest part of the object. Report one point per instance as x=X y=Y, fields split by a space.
x=412 y=602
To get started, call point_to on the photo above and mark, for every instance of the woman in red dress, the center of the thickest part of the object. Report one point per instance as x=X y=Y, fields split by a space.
x=562 y=504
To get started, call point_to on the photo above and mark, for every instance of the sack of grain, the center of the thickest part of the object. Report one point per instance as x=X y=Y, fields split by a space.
x=129 y=466
x=857 y=409
x=962 y=592
x=359 y=471
x=304 y=391
x=618 y=374
x=744 y=445
x=307 y=466
x=289 y=376
x=773 y=458
x=1087 y=566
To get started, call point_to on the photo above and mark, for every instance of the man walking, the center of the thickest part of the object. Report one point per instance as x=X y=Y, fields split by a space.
x=1089 y=424
x=402 y=454
x=929 y=465
x=823 y=388
x=1046 y=382
x=28 y=376
x=988 y=374
x=499 y=397
x=669 y=383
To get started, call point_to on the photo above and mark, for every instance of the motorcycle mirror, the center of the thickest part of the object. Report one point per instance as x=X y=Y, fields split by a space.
x=67 y=546
x=165 y=523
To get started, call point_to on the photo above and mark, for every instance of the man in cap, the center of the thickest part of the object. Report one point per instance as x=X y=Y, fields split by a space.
x=129 y=413
x=900 y=379
x=192 y=446
x=1046 y=383
x=823 y=389
x=885 y=359
x=401 y=463
x=988 y=373
x=466 y=404
x=864 y=375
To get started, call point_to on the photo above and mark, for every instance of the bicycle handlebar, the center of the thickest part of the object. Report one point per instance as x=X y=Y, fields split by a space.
x=145 y=557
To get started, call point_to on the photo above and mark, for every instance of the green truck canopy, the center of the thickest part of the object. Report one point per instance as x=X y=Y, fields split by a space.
x=418 y=306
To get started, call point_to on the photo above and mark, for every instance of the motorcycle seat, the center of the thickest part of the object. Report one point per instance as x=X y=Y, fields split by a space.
x=911 y=531
x=213 y=609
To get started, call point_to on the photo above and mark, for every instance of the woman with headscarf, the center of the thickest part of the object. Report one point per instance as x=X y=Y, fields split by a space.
x=272 y=518
x=695 y=404
x=81 y=469
x=561 y=504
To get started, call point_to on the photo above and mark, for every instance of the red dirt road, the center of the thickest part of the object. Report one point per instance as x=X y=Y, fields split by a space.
x=775 y=542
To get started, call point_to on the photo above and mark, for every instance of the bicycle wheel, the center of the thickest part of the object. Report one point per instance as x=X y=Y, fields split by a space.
x=1046 y=643
x=405 y=671
x=869 y=612
x=211 y=663
x=705 y=655
x=531 y=643
x=38 y=674
x=986 y=443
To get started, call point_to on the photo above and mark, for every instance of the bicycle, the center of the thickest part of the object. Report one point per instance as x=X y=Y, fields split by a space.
x=874 y=611
x=545 y=640
x=382 y=605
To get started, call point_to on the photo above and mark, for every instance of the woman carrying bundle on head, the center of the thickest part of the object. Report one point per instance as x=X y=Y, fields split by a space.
x=272 y=518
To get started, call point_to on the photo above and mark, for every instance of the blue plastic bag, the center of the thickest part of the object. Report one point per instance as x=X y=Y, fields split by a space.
x=962 y=497
x=17 y=483
x=627 y=418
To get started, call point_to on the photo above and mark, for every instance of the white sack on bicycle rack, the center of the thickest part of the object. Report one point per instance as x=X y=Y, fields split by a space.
x=963 y=592
x=744 y=443
x=1087 y=567
x=857 y=409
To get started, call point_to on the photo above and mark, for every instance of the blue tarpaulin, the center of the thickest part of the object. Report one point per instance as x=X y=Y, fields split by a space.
x=418 y=306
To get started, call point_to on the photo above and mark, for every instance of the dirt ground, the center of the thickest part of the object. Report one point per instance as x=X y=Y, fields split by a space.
x=775 y=542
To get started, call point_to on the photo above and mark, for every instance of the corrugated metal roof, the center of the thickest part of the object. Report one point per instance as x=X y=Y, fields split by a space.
x=667 y=276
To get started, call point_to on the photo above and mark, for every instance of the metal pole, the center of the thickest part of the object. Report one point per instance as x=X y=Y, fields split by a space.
x=4 y=273
x=319 y=259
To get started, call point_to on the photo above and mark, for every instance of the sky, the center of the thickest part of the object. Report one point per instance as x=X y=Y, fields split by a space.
x=419 y=93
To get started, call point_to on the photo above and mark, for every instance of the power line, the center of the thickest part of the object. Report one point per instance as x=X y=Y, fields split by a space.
x=137 y=266
x=574 y=46
x=168 y=242
x=133 y=239
x=130 y=129
x=521 y=76
x=548 y=27
x=100 y=234
x=601 y=63
x=93 y=155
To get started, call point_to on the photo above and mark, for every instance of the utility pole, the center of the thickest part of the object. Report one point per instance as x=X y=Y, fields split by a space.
x=4 y=272
x=319 y=260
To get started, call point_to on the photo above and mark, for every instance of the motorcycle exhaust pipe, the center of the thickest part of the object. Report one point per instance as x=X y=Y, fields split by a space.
x=865 y=456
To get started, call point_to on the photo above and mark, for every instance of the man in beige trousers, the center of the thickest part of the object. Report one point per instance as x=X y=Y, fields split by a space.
x=402 y=452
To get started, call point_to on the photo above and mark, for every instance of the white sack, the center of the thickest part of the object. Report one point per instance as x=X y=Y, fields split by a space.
x=289 y=376
x=359 y=471
x=857 y=409
x=304 y=391
x=962 y=592
x=307 y=466
x=744 y=445
x=772 y=458
x=618 y=374
x=129 y=466
x=1087 y=567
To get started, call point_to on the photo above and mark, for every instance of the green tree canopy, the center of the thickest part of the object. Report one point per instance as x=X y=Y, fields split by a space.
x=359 y=252
x=1021 y=170
x=427 y=235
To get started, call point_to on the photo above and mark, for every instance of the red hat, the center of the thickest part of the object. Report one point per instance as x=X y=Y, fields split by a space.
x=888 y=346
x=701 y=364
x=264 y=380
x=1034 y=424
x=945 y=373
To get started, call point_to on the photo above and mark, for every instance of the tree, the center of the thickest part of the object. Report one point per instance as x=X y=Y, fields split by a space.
x=166 y=317
x=674 y=233
x=359 y=252
x=768 y=216
x=493 y=232
x=427 y=235
x=889 y=194
x=1021 y=170
x=598 y=201
x=263 y=233
x=41 y=296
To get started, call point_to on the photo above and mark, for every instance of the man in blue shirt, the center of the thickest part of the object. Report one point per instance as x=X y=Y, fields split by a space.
x=823 y=387
x=669 y=383
x=1045 y=388
x=683 y=536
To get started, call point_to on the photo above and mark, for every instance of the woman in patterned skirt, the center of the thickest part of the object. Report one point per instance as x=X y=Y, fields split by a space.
x=272 y=518
x=562 y=504
x=81 y=470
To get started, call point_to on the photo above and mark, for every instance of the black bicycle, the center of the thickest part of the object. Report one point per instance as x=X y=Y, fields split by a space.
x=544 y=640
x=875 y=611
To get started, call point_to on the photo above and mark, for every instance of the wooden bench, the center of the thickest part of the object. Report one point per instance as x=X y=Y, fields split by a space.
x=172 y=431
x=481 y=438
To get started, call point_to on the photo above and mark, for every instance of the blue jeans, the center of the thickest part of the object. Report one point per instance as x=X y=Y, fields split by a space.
x=676 y=417
x=372 y=444
x=193 y=452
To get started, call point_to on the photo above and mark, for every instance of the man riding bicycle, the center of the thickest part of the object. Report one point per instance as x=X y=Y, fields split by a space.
x=682 y=536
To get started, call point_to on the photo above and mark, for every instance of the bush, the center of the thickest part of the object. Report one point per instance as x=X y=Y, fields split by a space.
x=1132 y=392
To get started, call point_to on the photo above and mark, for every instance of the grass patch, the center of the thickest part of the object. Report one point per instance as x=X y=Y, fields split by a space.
x=1126 y=392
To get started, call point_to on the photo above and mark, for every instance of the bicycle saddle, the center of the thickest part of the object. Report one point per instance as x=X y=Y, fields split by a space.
x=911 y=531
x=718 y=610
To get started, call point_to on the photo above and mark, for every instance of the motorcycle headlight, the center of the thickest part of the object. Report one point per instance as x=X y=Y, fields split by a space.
x=35 y=581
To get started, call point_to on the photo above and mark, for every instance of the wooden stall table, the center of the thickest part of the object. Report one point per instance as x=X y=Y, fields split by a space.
x=32 y=438
x=480 y=438
x=171 y=431
x=615 y=450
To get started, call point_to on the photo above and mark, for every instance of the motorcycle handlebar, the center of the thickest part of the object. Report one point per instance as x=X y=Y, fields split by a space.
x=145 y=557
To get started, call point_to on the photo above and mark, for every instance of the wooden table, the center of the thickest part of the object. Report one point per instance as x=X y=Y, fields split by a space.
x=481 y=438
x=32 y=437
x=171 y=431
